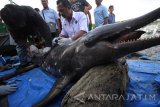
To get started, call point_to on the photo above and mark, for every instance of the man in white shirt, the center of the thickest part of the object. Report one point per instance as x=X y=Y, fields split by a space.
x=74 y=24
x=51 y=18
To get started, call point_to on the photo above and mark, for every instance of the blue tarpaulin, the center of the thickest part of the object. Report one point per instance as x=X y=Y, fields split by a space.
x=143 y=88
x=155 y=57
x=32 y=87
x=144 y=84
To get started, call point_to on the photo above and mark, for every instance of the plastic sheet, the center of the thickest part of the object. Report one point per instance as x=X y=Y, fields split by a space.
x=32 y=87
x=144 y=84
x=143 y=88
x=155 y=57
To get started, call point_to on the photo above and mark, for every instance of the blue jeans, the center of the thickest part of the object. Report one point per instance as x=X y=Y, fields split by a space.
x=22 y=53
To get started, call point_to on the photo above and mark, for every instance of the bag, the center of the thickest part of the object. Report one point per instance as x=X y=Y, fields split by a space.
x=52 y=26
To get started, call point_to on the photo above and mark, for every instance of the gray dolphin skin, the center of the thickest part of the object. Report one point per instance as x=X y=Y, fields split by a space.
x=100 y=46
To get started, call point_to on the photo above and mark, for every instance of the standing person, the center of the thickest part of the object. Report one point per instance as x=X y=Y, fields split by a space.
x=111 y=16
x=82 y=6
x=100 y=14
x=51 y=18
x=89 y=20
x=74 y=24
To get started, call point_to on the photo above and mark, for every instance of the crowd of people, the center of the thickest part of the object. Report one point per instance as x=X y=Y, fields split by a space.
x=72 y=21
x=55 y=20
x=102 y=15
x=74 y=18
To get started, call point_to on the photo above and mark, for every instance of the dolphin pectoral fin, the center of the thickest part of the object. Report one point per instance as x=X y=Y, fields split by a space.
x=56 y=90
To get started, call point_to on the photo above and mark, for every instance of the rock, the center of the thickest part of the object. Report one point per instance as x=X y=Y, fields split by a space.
x=102 y=86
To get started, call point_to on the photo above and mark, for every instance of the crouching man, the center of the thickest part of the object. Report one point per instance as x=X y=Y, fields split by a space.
x=23 y=21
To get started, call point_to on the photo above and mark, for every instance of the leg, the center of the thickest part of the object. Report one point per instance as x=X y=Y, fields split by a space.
x=22 y=52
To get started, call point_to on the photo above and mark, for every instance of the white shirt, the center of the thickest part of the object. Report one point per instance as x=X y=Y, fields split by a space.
x=50 y=15
x=77 y=23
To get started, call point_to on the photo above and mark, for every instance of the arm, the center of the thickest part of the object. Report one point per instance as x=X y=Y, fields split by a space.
x=105 y=21
x=7 y=89
x=114 y=18
x=78 y=35
x=90 y=19
x=105 y=15
x=59 y=25
x=83 y=26
x=57 y=18
x=63 y=32
x=62 y=40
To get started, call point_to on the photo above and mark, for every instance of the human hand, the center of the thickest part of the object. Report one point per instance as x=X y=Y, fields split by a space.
x=7 y=89
x=64 y=41
x=33 y=49
x=46 y=49
x=55 y=40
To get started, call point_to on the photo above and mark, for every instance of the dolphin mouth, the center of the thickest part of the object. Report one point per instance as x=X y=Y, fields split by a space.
x=126 y=37
x=113 y=31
